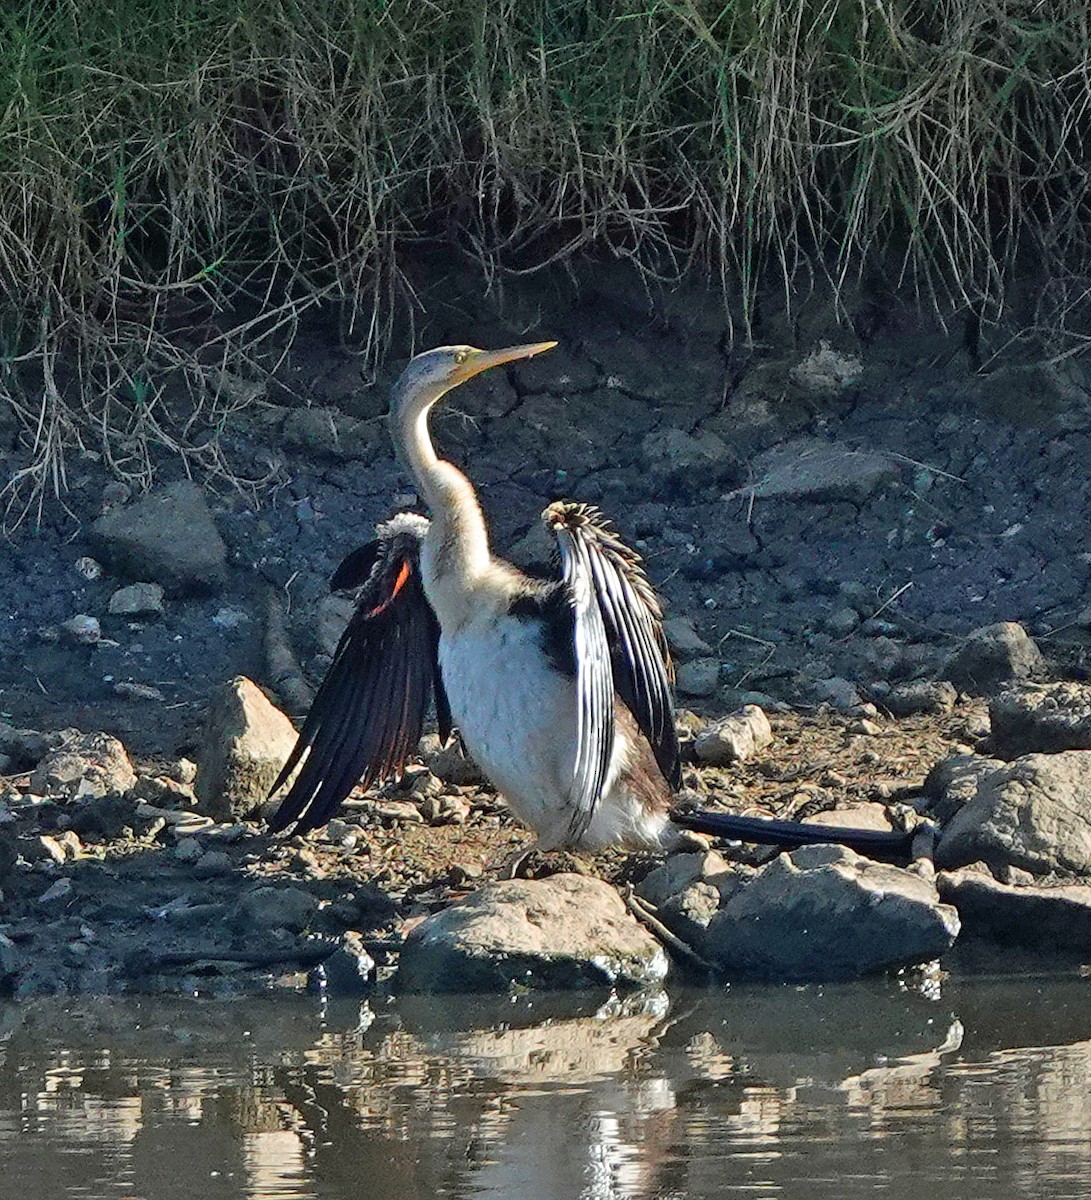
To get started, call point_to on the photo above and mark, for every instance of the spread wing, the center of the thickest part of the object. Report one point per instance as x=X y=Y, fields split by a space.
x=368 y=715
x=620 y=649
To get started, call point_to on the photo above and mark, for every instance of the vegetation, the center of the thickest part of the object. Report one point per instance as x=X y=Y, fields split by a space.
x=164 y=164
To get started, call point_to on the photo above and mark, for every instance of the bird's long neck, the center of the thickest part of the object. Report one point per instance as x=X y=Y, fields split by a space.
x=456 y=551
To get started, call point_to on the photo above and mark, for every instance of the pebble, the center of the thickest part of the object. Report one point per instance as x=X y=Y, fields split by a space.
x=866 y=727
x=89 y=568
x=701 y=677
x=189 y=850
x=82 y=630
x=213 y=862
x=444 y=810
x=56 y=891
x=137 y=600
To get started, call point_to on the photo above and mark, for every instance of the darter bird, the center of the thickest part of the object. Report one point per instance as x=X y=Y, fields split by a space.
x=559 y=687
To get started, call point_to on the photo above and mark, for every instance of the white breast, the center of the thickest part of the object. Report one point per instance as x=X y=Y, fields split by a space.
x=516 y=715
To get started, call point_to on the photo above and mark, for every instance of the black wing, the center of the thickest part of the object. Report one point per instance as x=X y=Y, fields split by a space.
x=613 y=603
x=368 y=715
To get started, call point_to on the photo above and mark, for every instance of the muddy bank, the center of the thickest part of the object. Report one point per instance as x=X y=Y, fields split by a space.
x=828 y=512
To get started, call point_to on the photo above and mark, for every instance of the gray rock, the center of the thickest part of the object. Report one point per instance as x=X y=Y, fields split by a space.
x=137 y=600
x=448 y=762
x=1031 y=813
x=860 y=816
x=1042 y=718
x=349 y=970
x=837 y=692
x=992 y=656
x=246 y=742
x=82 y=630
x=85 y=765
x=921 y=696
x=842 y=621
x=25 y=747
x=678 y=871
x=809 y=468
x=568 y=931
x=1044 y=918
x=821 y=912
x=701 y=677
x=684 y=640
x=9 y=958
x=672 y=455
x=328 y=433
x=734 y=738
x=954 y=781
x=168 y=537
x=334 y=613
x=278 y=908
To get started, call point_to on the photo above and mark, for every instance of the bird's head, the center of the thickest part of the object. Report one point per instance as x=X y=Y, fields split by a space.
x=435 y=372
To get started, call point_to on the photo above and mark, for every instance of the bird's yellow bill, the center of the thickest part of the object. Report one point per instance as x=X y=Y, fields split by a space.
x=483 y=360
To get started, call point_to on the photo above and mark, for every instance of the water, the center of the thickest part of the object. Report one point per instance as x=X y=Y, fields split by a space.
x=846 y=1091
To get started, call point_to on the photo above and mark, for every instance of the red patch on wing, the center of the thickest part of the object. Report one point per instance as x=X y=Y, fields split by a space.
x=399 y=583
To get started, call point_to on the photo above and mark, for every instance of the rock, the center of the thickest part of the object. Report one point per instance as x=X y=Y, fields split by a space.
x=567 y=931
x=212 y=862
x=168 y=537
x=334 y=613
x=842 y=621
x=448 y=762
x=444 y=810
x=25 y=747
x=954 y=781
x=837 y=692
x=809 y=468
x=328 y=433
x=137 y=600
x=1044 y=918
x=349 y=970
x=821 y=912
x=734 y=738
x=684 y=640
x=85 y=765
x=865 y=727
x=678 y=871
x=920 y=696
x=992 y=656
x=1041 y=718
x=82 y=630
x=138 y=691
x=701 y=677
x=246 y=742
x=278 y=908
x=88 y=568
x=826 y=371
x=9 y=959
x=859 y=816
x=673 y=456
x=1030 y=813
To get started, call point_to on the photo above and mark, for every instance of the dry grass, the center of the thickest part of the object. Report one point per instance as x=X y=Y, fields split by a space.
x=166 y=167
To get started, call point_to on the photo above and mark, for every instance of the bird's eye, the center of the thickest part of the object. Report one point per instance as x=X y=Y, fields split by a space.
x=460 y=357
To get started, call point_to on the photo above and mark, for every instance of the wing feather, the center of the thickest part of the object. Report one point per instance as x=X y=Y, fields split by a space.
x=368 y=715
x=632 y=621
x=594 y=683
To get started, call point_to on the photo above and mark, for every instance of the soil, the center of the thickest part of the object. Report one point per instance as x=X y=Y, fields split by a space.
x=980 y=515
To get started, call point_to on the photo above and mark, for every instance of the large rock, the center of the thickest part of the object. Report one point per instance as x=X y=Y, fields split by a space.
x=169 y=538
x=809 y=468
x=1041 y=718
x=992 y=656
x=1032 y=813
x=919 y=696
x=821 y=912
x=733 y=738
x=84 y=766
x=247 y=740
x=1045 y=918
x=564 y=932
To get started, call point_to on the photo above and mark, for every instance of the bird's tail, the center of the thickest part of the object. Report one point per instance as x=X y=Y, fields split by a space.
x=893 y=845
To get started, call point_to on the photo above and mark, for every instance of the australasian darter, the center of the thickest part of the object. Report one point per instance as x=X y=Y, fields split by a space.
x=559 y=687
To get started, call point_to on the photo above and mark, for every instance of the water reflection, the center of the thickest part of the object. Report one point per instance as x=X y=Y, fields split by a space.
x=841 y=1091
